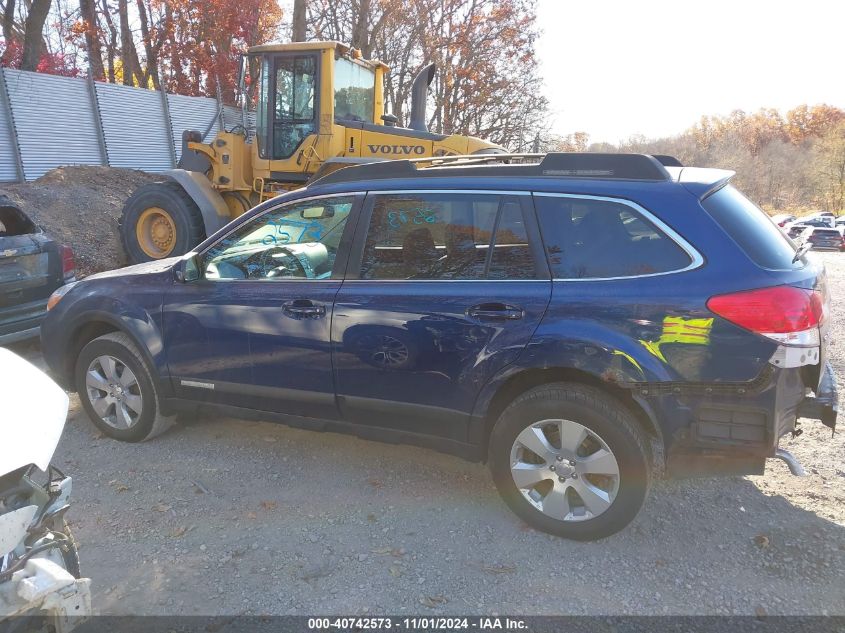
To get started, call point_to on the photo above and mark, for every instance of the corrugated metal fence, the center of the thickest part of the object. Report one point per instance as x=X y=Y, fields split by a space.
x=48 y=121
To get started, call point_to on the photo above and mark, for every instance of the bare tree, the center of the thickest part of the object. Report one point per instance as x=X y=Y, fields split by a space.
x=88 y=13
x=299 y=20
x=150 y=49
x=830 y=169
x=33 y=38
x=111 y=43
x=8 y=28
x=128 y=52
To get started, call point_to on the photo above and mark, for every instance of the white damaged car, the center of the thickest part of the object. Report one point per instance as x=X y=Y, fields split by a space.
x=39 y=564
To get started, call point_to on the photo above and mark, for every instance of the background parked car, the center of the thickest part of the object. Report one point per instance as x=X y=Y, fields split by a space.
x=796 y=231
x=32 y=266
x=824 y=219
x=823 y=238
x=782 y=219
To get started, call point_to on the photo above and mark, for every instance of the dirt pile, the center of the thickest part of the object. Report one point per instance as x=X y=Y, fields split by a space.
x=80 y=206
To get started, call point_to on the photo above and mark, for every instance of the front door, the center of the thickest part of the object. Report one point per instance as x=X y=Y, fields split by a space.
x=253 y=331
x=443 y=290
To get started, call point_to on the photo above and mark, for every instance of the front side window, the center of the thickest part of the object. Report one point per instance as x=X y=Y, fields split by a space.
x=447 y=236
x=354 y=91
x=588 y=238
x=294 y=105
x=296 y=241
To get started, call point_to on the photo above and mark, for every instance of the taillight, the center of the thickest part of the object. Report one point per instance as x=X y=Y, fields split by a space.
x=788 y=315
x=68 y=264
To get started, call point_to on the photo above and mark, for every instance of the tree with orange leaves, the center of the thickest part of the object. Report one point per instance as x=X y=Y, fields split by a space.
x=487 y=83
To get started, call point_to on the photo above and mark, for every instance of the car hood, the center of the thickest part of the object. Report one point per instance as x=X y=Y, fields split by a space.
x=146 y=268
x=34 y=413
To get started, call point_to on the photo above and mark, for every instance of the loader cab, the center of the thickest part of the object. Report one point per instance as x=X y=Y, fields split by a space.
x=306 y=88
x=288 y=103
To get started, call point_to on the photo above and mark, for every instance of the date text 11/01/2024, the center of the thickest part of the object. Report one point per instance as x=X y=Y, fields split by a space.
x=417 y=624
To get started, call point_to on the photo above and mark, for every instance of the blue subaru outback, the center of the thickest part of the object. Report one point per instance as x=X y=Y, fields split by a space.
x=578 y=321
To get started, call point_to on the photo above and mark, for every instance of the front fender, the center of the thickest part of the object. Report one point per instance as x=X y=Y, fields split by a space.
x=215 y=211
x=114 y=304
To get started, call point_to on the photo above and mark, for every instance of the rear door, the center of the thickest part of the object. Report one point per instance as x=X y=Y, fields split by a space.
x=443 y=289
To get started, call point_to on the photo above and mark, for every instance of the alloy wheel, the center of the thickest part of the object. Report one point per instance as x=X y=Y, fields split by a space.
x=565 y=470
x=114 y=392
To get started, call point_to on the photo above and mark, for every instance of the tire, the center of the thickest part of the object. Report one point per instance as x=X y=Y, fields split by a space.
x=141 y=418
x=70 y=555
x=607 y=426
x=177 y=215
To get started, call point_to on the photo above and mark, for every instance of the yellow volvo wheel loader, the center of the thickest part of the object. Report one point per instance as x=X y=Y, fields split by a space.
x=320 y=107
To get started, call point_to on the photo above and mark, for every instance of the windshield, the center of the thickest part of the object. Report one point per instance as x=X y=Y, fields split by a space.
x=354 y=91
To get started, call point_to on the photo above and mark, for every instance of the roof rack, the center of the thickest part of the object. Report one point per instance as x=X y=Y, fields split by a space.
x=559 y=164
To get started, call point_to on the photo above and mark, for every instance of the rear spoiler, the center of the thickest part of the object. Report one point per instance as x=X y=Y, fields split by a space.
x=701 y=181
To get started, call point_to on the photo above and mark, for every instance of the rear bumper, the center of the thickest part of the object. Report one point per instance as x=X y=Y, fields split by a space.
x=44 y=589
x=733 y=429
x=824 y=405
x=21 y=321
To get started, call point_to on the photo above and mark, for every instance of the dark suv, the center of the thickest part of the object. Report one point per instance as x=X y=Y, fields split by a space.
x=579 y=322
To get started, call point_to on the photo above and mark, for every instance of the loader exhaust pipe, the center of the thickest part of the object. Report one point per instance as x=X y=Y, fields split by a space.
x=419 y=94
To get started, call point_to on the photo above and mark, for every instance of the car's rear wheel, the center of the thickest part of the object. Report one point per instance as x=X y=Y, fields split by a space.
x=116 y=389
x=571 y=461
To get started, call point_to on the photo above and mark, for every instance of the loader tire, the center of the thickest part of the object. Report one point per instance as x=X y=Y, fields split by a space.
x=160 y=220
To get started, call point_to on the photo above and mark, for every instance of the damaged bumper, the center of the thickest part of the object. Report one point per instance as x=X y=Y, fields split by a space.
x=824 y=404
x=737 y=432
x=44 y=589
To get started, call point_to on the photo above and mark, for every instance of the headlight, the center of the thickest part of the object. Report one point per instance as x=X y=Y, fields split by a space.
x=59 y=293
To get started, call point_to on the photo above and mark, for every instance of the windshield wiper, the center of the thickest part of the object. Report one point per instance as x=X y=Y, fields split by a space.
x=803 y=250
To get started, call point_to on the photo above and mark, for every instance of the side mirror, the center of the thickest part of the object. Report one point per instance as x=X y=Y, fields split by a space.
x=187 y=269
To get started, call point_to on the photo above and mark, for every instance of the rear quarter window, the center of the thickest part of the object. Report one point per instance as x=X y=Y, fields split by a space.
x=752 y=230
x=593 y=238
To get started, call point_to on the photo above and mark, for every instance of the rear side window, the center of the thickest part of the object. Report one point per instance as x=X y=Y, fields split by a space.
x=751 y=229
x=588 y=238
x=447 y=236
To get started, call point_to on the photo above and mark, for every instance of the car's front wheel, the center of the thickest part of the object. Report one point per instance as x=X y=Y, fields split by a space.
x=571 y=461
x=117 y=391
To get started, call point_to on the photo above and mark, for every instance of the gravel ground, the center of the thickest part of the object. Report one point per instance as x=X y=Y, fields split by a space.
x=229 y=517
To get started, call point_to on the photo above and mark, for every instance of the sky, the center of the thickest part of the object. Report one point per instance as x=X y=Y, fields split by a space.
x=615 y=69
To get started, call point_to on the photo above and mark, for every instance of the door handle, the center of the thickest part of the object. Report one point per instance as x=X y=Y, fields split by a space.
x=496 y=312
x=303 y=308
